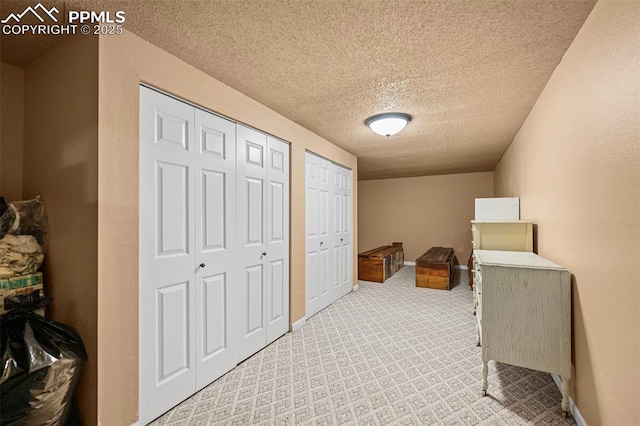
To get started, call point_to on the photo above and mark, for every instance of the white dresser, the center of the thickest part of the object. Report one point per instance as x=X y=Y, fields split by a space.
x=516 y=235
x=524 y=313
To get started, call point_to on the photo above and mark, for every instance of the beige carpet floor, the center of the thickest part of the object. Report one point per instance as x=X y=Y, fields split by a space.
x=387 y=354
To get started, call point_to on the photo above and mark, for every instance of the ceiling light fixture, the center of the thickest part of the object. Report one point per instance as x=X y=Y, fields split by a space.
x=388 y=124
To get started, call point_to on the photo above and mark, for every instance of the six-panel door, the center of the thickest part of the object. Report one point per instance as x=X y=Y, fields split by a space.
x=167 y=285
x=252 y=223
x=215 y=246
x=277 y=259
x=341 y=230
x=318 y=236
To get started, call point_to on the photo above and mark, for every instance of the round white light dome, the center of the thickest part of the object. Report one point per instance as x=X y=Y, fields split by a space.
x=388 y=124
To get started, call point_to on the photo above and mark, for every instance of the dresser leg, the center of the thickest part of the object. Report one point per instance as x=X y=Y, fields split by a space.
x=565 y=397
x=485 y=377
x=473 y=289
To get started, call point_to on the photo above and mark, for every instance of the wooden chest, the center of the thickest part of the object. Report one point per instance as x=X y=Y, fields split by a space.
x=434 y=269
x=380 y=263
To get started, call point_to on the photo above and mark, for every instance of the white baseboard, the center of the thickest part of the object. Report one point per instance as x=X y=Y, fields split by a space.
x=355 y=287
x=577 y=416
x=298 y=324
x=463 y=267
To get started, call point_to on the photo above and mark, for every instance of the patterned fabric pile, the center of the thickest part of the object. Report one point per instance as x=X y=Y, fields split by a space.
x=19 y=255
x=23 y=237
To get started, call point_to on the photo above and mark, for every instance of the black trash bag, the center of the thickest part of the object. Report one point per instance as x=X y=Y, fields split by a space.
x=41 y=364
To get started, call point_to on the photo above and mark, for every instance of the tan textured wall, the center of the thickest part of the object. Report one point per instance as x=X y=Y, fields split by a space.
x=421 y=212
x=575 y=164
x=125 y=61
x=11 y=132
x=61 y=164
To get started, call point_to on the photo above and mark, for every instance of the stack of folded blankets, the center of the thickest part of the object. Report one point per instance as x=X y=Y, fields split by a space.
x=19 y=255
x=23 y=232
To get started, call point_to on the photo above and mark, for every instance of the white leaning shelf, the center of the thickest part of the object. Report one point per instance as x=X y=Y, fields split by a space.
x=524 y=313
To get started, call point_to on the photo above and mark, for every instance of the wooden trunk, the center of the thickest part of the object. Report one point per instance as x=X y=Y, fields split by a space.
x=380 y=263
x=434 y=269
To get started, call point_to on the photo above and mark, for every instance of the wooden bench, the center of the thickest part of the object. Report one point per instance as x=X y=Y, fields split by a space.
x=434 y=269
x=380 y=263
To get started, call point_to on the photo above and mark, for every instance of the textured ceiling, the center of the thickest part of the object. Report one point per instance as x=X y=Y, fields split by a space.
x=468 y=71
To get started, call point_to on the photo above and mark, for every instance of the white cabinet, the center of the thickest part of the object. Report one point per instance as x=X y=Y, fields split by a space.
x=328 y=232
x=524 y=313
x=214 y=247
x=503 y=235
x=497 y=209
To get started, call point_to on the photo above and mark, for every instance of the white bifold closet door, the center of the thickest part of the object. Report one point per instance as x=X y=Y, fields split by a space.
x=328 y=232
x=216 y=248
x=206 y=215
x=263 y=217
x=167 y=249
x=318 y=237
x=341 y=230
x=187 y=242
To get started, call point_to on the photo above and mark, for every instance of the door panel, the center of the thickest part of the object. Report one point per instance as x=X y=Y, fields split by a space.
x=166 y=293
x=214 y=331
x=255 y=212
x=346 y=204
x=324 y=274
x=345 y=269
x=277 y=289
x=277 y=212
x=312 y=280
x=172 y=130
x=173 y=208
x=276 y=301
x=319 y=230
x=335 y=271
x=323 y=215
x=343 y=237
x=216 y=294
x=251 y=198
x=336 y=230
x=172 y=305
x=214 y=205
x=254 y=300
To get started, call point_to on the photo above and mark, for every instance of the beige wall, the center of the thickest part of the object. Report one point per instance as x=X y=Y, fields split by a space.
x=60 y=163
x=421 y=212
x=11 y=132
x=575 y=164
x=125 y=61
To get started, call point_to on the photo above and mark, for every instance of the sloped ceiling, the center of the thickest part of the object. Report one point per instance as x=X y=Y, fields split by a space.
x=468 y=72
